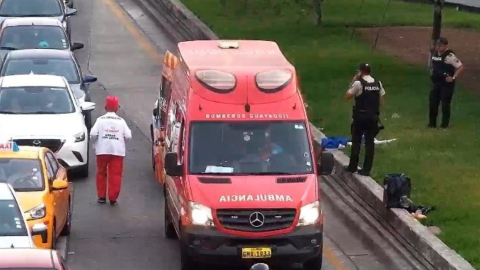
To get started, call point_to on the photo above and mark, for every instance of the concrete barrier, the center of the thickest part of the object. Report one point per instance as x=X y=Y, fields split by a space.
x=426 y=247
x=464 y=5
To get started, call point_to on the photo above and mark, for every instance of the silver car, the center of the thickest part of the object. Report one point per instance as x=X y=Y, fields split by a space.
x=37 y=8
x=34 y=33
x=14 y=230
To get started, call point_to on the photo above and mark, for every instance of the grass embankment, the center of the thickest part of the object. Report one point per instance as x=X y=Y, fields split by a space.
x=444 y=165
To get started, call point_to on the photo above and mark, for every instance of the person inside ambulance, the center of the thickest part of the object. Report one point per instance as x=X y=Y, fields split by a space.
x=258 y=149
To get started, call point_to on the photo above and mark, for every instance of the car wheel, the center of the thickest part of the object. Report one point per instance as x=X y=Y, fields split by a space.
x=314 y=264
x=83 y=170
x=88 y=121
x=169 y=228
x=68 y=224
x=54 y=236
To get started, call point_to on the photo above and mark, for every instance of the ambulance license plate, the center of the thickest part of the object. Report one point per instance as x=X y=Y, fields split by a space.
x=256 y=253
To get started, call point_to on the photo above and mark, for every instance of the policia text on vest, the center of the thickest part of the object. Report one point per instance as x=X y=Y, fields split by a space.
x=445 y=68
x=368 y=93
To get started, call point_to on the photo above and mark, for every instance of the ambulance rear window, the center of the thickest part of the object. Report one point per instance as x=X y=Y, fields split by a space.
x=217 y=81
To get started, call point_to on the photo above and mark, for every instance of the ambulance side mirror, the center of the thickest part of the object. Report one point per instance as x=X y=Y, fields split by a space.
x=171 y=166
x=326 y=163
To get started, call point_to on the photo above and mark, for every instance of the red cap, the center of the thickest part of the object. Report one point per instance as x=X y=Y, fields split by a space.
x=111 y=103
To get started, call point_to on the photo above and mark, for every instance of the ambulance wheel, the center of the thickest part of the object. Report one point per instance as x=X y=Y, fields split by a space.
x=186 y=261
x=170 y=232
x=314 y=264
x=153 y=145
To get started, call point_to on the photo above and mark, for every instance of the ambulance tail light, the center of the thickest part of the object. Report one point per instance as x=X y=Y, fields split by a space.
x=273 y=80
x=217 y=81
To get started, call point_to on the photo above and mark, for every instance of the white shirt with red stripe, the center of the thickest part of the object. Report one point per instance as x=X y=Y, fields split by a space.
x=109 y=134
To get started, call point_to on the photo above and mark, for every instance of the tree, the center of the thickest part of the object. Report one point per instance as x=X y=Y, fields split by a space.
x=317 y=5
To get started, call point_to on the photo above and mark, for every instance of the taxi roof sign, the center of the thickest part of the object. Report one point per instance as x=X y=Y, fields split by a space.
x=9 y=146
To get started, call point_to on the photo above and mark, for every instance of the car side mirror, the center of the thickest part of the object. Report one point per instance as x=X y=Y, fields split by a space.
x=40 y=229
x=326 y=163
x=71 y=12
x=59 y=184
x=171 y=166
x=155 y=112
x=89 y=79
x=87 y=106
x=77 y=46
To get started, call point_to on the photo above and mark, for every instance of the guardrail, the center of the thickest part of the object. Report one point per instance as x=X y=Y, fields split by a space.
x=415 y=237
x=466 y=5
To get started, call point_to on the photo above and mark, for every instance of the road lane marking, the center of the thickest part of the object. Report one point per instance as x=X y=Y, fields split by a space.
x=146 y=45
x=333 y=259
x=151 y=50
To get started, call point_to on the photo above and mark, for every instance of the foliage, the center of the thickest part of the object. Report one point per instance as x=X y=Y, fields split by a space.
x=443 y=165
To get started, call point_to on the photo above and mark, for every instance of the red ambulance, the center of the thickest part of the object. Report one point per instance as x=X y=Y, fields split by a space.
x=234 y=152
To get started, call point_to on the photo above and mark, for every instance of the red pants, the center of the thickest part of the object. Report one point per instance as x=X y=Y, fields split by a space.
x=114 y=165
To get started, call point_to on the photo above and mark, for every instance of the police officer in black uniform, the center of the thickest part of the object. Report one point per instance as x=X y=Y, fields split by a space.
x=445 y=69
x=368 y=93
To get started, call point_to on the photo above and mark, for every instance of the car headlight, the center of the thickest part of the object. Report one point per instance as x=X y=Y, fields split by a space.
x=200 y=214
x=39 y=211
x=310 y=214
x=79 y=137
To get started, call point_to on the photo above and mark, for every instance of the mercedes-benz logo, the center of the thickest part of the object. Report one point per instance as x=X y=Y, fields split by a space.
x=37 y=142
x=256 y=219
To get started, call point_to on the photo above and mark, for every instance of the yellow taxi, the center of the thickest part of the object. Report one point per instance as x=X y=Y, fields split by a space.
x=42 y=187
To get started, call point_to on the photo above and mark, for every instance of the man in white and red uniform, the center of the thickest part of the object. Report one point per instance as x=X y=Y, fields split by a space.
x=109 y=134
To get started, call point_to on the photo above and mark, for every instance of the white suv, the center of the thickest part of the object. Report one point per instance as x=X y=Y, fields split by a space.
x=14 y=230
x=41 y=110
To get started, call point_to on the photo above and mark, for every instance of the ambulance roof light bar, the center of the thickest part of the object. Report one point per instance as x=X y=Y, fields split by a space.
x=217 y=81
x=273 y=80
x=228 y=45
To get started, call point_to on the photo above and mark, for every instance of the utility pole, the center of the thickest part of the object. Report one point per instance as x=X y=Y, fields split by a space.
x=437 y=25
x=437 y=19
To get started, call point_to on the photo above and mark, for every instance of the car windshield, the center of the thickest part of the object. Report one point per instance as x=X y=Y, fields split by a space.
x=60 y=67
x=11 y=219
x=239 y=148
x=30 y=8
x=35 y=100
x=22 y=174
x=33 y=37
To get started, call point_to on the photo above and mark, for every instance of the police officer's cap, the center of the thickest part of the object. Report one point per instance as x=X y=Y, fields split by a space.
x=441 y=41
x=260 y=266
x=364 y=67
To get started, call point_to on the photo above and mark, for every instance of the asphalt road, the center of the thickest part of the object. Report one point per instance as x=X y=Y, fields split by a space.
x=123 y=48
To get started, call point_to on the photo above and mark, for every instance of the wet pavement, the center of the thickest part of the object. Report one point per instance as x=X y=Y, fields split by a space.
x=123 y=49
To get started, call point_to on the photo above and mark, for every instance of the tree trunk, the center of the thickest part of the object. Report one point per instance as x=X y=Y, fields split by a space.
x=317 y=5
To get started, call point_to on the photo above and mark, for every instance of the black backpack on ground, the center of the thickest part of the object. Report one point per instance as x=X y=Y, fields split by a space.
x=396 y=192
